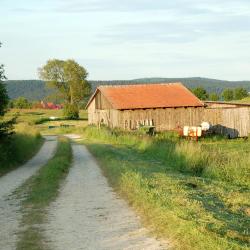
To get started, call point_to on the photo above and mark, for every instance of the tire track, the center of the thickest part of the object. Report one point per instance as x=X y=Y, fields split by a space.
x=9 y=205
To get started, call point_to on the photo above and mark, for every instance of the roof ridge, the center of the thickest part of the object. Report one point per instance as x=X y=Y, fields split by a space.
x=142 y=84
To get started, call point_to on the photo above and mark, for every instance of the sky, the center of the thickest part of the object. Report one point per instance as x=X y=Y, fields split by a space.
x=128 y=39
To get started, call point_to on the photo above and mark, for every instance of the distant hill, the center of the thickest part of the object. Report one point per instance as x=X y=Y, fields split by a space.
x=37 y=90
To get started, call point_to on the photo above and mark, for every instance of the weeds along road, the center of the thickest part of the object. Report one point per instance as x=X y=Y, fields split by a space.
x=9 y=206
x=88 y=215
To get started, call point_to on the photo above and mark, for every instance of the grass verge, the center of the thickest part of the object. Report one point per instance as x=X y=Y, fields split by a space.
x=195 y=195
x=39 y=192
x=19 y=148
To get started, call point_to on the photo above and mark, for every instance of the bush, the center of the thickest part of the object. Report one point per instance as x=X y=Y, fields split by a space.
x=71 y=111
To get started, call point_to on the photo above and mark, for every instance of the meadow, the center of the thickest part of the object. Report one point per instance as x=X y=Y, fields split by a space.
x=196 y=195
x=27 y=139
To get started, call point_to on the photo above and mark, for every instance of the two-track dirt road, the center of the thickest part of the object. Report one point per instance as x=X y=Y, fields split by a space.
x=9 y=206
x=89 y=215
x=86 y=215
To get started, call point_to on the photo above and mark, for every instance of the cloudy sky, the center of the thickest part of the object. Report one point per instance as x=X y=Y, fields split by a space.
x=128 y=39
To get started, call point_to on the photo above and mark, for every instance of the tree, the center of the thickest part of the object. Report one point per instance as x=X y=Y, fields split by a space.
x=3 y=92
x=201 y=93
x=6 y=127
x=240 y=93
x=214 y=96
x=228 y=95
x=69 y=79
x=20 y=103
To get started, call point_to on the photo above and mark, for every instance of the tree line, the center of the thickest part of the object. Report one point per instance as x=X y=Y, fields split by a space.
x=228 y=94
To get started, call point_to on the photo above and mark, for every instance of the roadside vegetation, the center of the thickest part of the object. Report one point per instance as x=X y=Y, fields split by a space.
x=194 y=194
x=38 y=192
x=22 y=145
x=17 y=143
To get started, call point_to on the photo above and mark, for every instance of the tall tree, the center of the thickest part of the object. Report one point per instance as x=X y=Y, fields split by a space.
x=228 y=95
x=214 y=96
x=69 y=79
x=6 y=127
x=240 y=93
x=3 y=92
x=201 y=93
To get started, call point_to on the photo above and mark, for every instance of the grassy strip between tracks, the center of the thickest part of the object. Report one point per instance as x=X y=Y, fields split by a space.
x=194 y=194
x=38 y=192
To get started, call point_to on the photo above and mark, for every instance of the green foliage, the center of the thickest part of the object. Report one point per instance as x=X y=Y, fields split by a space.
x=228 y=95
x=190 y=193
x=20 y=103
x=6 y=129
x=3 y=93
x=214 y=96
x=201 y=93
x=19 y=148
x=69 y=79
x=240 y=93
x=71 y=111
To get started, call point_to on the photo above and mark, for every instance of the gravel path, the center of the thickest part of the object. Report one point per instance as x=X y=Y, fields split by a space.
x=9 y=206
x=89 y=215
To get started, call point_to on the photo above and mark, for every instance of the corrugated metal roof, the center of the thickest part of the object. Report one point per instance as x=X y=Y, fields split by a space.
x=149 y=96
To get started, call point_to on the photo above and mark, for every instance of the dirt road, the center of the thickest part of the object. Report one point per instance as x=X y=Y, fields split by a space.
x=9 y=206
x=89 y=215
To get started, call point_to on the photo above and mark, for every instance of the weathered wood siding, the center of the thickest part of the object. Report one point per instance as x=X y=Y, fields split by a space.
x=101 y=102
x=234 y=122
x=162 y=119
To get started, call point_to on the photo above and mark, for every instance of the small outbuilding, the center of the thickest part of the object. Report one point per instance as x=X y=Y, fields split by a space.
x=164 y=106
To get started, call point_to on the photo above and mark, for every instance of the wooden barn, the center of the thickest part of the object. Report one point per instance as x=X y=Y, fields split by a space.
x=164 y=106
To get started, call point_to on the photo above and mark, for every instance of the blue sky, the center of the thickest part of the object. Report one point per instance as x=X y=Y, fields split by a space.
x=128 y=39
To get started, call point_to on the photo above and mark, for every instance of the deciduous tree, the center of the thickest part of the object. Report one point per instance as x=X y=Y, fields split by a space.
x=201 y=93
x=240 y=93
x=69 y=79
x=228 y=94
x=3 y=92
x=214 y=97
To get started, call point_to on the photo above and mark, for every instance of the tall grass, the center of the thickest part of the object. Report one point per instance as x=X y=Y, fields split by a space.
x=19 y=148
x=180 y=188
x=206 y=158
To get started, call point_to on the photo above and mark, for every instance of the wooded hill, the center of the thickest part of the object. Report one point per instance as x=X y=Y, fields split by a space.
x=37 y=90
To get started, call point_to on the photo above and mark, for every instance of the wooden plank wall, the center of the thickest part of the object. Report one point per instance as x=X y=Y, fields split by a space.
x=234 y=122
x=163 y=119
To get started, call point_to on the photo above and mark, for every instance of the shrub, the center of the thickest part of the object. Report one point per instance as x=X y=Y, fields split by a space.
x=71 y=111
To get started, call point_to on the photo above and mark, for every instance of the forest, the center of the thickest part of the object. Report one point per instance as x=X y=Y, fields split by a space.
x=36 y=89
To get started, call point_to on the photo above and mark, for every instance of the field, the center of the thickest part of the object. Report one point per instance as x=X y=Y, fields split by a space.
x=196 y=195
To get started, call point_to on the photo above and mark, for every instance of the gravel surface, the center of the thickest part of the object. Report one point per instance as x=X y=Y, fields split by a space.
x=89 y=215
x=9 y=206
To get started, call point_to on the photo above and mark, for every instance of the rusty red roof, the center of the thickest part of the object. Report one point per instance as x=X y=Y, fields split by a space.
x=140 y=96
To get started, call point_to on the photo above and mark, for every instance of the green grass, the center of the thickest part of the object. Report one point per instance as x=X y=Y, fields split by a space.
x=19 y=148
x=38 y=192
x=194 y=194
